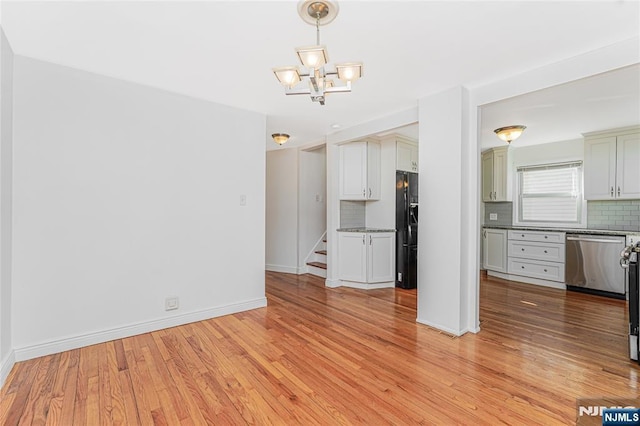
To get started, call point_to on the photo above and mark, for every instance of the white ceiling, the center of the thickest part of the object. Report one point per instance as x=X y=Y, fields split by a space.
x=223 y=51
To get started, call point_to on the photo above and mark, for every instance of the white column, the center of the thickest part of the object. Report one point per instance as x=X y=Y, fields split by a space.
x=447 y=244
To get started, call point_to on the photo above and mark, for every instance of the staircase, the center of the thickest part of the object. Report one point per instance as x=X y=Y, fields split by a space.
x=317 y=259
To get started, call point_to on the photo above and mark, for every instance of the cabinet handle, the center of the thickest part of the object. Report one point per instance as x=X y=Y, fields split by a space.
x=612 y=191
x=363 y=237
x=485 y=233
x=369 y=192
x=370 y=239
x=364 y=192
x=618 y=191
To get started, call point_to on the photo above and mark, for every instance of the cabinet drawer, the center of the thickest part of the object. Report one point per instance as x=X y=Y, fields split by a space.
x=535 y=250
x=536 y=269
x=549 y=237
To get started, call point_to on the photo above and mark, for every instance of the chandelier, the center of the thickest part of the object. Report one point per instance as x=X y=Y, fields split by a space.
x=314 y=59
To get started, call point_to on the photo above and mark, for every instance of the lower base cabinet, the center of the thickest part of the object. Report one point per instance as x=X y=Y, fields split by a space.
x=366 y=257
x=494 y=249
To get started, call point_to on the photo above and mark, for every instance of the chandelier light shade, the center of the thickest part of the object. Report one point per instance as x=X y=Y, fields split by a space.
x=280 y=138
x=349 y=72
x=510 y=133
x=288 y=76
x=313 y=57
x=314 y=78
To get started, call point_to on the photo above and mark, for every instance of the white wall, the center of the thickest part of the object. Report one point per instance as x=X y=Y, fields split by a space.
x=554 y=152
x=6 y=144
x=312 y=200
x=282 y=211
x=125 y=195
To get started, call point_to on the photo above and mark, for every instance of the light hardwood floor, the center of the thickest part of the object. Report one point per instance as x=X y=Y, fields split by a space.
x=342 y=356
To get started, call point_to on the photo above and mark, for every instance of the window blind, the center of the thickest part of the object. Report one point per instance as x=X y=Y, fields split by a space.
x=550 y=193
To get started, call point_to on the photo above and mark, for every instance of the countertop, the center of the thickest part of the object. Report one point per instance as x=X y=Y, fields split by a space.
x=365 y=229
x=567 y=230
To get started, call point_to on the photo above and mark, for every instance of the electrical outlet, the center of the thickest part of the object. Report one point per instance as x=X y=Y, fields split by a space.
x=493 y=216
x=171 y=303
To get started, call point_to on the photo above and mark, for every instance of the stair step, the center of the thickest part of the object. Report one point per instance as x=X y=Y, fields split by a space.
x=318 y=265
x=321 y=252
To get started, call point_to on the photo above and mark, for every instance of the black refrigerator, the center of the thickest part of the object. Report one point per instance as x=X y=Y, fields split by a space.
x=407 y=229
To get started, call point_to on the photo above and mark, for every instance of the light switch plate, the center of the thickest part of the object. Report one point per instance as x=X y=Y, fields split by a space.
x=493 y=216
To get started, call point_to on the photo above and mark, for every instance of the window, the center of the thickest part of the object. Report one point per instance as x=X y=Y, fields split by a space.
x=550 y=193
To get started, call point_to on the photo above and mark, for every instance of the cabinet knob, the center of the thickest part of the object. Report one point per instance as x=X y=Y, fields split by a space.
x=545 y=237
x=522 y=267
x=545 y=251
x=522 y=235
x=545 y=270
x=612 y=191
x=522 y=249
x=618 y=191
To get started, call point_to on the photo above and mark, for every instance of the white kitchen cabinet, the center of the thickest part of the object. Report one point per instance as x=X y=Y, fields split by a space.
x=495 y=175
x=536 y=254
x=494 y=249
x=360 y=171
x=611 y=164
x=406 y=156
x=366 y=257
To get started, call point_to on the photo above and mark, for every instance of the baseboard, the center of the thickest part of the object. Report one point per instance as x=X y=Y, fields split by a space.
x=282 y=268
x=366 y=286
x=441 y=327
x=527 y=280
x=62 y=345
x=5 y=366
x=332 y=283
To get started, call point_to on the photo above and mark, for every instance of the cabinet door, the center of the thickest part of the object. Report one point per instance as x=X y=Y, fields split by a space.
x=353 y=171
x=600 y=168
x=495 y=249
x=500 y=176
x=628 y=166
x=380 y=257
x=487 y=176
x=352 y=256
x=373 y=171
x=414 y=158
x=403 y=157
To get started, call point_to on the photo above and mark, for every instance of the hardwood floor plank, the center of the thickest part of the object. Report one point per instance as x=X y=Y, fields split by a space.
x=322 y=356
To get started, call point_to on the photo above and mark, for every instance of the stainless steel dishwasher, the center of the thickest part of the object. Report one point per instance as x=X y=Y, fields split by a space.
x=593 y=264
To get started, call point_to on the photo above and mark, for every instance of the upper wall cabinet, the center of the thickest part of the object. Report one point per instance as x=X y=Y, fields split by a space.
x=360 y=171
x=406 y=156
x=495 y=175
x=612 y=164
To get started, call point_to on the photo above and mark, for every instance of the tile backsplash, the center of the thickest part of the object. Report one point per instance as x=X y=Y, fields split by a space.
x=622 y=215
x=352 y=214
x=502 y=211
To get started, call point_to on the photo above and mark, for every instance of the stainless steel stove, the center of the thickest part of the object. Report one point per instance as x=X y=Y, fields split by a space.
x=629 y=260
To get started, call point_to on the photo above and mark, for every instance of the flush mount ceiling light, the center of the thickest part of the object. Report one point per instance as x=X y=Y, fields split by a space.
x=280 y=138
x=314 y=59
x=510 y=133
